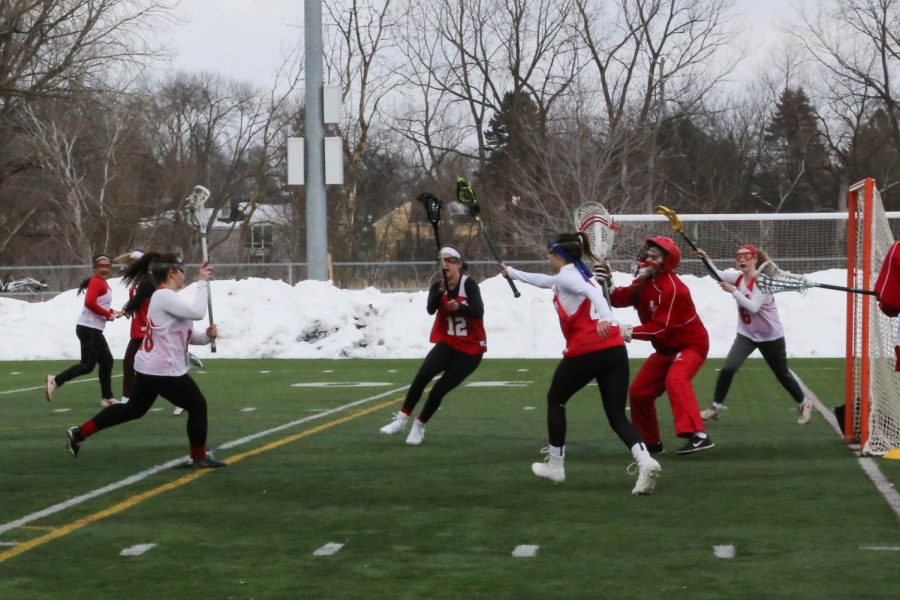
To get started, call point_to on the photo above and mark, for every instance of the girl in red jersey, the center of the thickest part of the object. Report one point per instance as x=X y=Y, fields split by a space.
x=141 y=288
x=161 y=363
x=89 y=329
x=680 y=342
x=459 y=341
x=595 y=351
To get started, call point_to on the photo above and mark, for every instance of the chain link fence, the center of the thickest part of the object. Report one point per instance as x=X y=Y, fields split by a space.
x=803 y=243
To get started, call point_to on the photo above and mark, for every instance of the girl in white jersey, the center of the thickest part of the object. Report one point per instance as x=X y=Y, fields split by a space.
x=758 y=327
x=161 y=364
x=91 y=323
x=595 y=351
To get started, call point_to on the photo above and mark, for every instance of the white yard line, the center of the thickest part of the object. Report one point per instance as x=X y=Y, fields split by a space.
x=178 y=461
x=868 y=465
x=40 y=387
x=881 y=548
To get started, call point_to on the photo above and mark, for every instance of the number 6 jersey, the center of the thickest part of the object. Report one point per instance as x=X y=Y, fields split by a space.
x=462 y=330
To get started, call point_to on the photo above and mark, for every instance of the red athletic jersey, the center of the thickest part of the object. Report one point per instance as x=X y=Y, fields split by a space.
x=460 y=332
x=139 y=317
x=887 y=286
x=664 y=305
x=580 y=330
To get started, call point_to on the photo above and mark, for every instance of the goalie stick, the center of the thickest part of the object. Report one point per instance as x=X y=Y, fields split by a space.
x=772 y=280
x=592 y=219
x=433 y=206
x=465 y=195
x=194 y=210
x=678 y=226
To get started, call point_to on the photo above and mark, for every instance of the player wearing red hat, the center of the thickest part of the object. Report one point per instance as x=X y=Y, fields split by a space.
x=670 y=323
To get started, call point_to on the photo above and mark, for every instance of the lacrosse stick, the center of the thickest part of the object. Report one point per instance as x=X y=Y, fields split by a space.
x=194 y=209
x=466 y=195
x=772 y=280
x=678 y=226
x=592 y=219
x=433 y=206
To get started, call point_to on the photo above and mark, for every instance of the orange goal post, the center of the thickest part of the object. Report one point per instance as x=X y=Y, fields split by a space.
x=872 y=396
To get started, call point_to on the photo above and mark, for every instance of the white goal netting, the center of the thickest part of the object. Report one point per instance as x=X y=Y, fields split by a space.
x=873 y=386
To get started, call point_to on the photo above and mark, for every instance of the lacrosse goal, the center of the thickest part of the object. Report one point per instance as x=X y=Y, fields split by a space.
x=872 y=403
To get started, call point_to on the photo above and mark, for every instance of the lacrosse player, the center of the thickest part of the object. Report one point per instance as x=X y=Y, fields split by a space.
x=162 y=361
x=758 y=326
x=680 y=342
x=89 y=329
x=595 y=351
x=459 y=343
x=139 y=293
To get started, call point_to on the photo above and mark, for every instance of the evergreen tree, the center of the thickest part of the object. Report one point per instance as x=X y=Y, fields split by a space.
x=796 y=172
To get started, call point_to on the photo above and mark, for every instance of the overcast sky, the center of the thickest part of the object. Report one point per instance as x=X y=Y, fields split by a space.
x=247 y=39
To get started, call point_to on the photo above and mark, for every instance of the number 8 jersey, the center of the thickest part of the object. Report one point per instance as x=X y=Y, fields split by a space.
x=462 y=330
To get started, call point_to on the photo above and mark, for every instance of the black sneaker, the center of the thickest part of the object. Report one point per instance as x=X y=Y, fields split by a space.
x=656 y=448
x=207 y=462
x=696 y=444
x=73 y=440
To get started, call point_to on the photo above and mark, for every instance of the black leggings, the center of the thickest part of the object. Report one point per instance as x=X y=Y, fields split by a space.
x=181 y=391
x=455 y=365
x=775 y=353
x=94 y=350
x=609 y=367
x=134 y=344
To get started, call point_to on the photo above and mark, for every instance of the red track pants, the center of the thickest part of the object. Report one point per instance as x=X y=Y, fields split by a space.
x=670 y=373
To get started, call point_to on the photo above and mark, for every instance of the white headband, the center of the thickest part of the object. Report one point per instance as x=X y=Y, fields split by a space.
x=451 y=251
x=136 y=255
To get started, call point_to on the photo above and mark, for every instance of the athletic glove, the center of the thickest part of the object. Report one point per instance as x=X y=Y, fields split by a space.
x=602 y=273
x=626 y=331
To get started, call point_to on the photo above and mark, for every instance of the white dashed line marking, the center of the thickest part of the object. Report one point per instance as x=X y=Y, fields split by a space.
x=328 y=549
x=724 y=551
x=525 y=551
x=136 y=550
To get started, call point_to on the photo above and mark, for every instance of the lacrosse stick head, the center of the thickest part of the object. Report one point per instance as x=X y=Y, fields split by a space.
x=194 y=205
x=465 y=195
x=433 y=206
x=672 y=216
x=592 y=219
x=772 y=280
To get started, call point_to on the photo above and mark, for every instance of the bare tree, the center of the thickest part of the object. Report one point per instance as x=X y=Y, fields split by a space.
x=474 y=52
x=360 y=61
x=53 y=48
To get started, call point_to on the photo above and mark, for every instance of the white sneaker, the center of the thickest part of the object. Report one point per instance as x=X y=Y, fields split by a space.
x=178 y=410
x=648 y=472
x=397 y=425
x=712 y=412
x=108 y=402
x=552 y=468
x=416 y=433
x=805 y=410
x=49 y=387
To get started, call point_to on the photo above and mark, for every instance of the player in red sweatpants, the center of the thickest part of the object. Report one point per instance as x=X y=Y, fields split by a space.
x=670 y=322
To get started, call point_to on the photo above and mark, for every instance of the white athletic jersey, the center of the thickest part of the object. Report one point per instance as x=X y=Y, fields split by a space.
x=170 y=329
x=570 y=288
x=757 y=314
x=89 y=318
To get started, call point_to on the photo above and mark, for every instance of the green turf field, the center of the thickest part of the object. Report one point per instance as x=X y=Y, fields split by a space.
x=440 y=520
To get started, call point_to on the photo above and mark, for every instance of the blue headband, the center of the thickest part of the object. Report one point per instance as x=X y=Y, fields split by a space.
x=555 y=248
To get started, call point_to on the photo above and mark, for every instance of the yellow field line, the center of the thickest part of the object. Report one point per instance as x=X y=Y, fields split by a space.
x=138 y=498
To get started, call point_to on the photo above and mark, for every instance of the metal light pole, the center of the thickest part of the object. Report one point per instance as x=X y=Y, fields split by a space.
x=314 y=160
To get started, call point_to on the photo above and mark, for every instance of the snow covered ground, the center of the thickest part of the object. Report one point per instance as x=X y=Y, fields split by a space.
x=261 y=318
